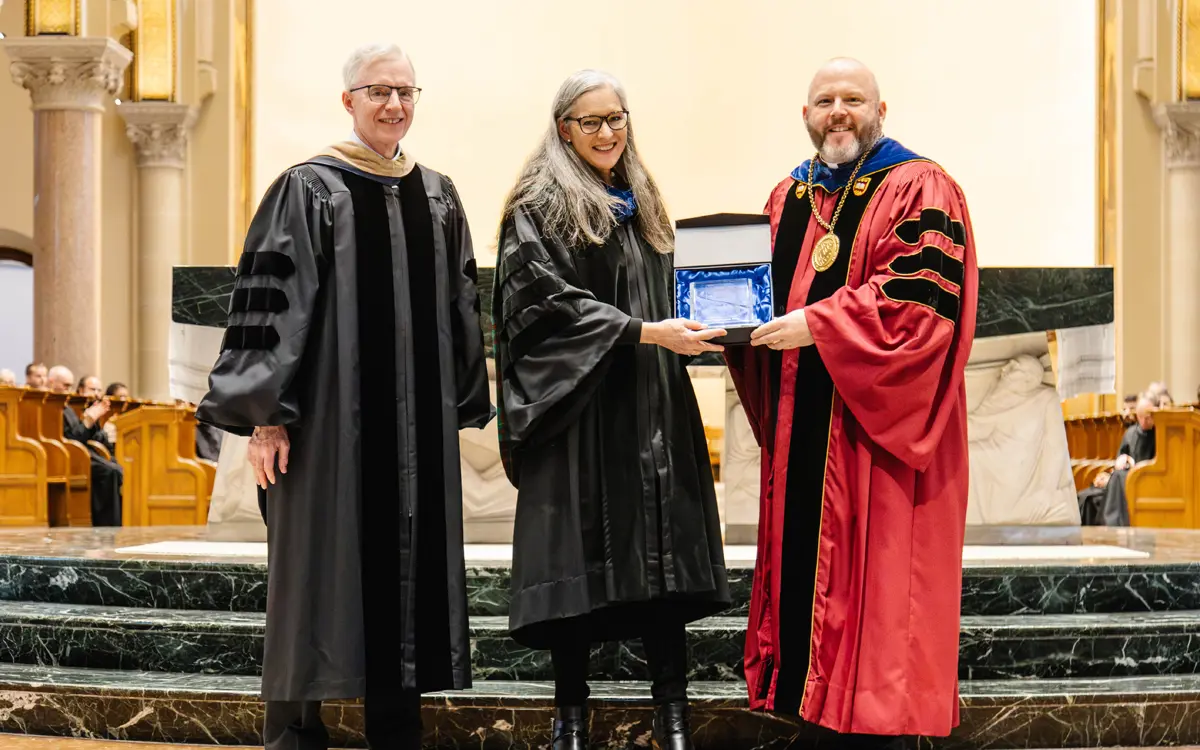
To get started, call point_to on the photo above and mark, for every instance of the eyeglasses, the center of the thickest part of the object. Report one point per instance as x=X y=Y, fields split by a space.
x=381 y=93
x=591 y=124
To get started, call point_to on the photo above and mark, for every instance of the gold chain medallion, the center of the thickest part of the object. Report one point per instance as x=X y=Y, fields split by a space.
x=825 y=252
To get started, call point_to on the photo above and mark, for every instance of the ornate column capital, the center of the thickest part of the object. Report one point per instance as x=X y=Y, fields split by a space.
x=65 y=72
x=159 y=132
x=1180 y=123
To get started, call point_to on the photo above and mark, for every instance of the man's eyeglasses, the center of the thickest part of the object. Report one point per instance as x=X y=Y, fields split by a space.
x=591 y=124
x=381 y=93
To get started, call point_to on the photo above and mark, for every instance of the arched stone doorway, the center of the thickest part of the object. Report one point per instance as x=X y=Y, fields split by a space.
x=16 y=302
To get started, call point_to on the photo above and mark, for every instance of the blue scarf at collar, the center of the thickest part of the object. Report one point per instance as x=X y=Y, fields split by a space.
x=628 y=207
x=886 y=153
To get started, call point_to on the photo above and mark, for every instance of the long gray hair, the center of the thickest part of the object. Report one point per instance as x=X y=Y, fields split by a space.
x=575 y=205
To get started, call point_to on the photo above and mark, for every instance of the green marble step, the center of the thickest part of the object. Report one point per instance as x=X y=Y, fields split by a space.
x=231 y=643
x=208 y=709
x=238 y=586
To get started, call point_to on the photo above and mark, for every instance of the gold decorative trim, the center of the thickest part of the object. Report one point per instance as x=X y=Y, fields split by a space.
x=1106 y=47
x=1189 y=49
x=155 y=46
x=244 y=118
x=54 y=18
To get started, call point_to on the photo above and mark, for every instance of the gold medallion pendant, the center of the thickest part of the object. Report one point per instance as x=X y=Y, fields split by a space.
x=825 y=253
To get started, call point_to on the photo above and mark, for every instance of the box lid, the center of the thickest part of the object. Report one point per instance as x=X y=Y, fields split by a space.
x=722 y=240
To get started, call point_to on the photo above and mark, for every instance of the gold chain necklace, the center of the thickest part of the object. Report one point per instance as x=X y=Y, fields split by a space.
x=826 y=251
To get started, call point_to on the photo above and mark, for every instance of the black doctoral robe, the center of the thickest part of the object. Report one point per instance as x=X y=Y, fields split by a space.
x=355 y=322
x=107 y=476
x=1139 y=445
x=616 y=522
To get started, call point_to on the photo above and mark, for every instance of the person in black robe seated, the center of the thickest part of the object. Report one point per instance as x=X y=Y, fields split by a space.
x=107 y=475
x=616 y=533
x=1136 y=446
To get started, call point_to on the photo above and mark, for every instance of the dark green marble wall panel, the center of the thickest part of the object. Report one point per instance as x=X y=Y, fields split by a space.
x=1011 y=300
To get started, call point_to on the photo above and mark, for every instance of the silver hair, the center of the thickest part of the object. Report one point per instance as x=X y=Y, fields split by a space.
x=369 y=53
x=575 y=207
x=61 y=373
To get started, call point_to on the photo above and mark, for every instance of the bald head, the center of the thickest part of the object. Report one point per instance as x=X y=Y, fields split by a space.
x=844 y=114
x=60 y=379
x=845 y=69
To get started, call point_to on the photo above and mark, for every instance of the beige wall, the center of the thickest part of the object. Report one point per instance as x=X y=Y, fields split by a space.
x=716 y=90
x=16 y=136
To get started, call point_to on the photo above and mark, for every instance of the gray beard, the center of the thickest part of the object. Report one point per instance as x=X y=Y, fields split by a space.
x=849 y=153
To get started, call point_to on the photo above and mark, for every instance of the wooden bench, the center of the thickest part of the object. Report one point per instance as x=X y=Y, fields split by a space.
x=23 y=468
x=1093 y=442
x=165 y=485
x=1162 y=493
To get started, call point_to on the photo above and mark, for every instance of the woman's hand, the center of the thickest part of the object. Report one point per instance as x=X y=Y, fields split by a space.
x=682 y=336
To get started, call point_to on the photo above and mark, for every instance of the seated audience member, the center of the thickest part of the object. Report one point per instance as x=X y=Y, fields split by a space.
x=107 y=476
x=8 y=377
x=1136 y=446
x=114 y=390
x=1092 y=499
x=35 y=375
x=88 y=385
x=1129 y=409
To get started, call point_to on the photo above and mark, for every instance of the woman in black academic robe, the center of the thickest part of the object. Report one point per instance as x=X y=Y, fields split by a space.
x=617 y=534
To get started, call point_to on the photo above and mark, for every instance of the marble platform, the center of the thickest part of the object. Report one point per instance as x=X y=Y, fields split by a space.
x=1092 y=642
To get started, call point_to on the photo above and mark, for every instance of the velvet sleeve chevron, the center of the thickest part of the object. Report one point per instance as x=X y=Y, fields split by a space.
x=274 y=294
x=552 y=338
x=888 y=343
x=470 y=362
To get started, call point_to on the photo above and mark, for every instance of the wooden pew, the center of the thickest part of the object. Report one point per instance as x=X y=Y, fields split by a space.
x=165 y=485
x=1164 y=492
x=79 y=462
x=24 y=488
x=58 y=462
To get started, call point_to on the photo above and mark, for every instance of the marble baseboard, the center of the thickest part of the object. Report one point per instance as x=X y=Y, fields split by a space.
x=1137 y=712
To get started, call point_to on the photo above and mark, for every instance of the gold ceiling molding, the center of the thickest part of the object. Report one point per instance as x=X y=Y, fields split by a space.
x=54 y=17
x=1189 y=49
x=155 y=46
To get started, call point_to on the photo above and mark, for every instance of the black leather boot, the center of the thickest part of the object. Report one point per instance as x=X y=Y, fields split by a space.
x=570 y=728
x=672 y=728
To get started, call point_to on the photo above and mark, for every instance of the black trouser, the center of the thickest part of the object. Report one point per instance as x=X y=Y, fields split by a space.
x=107 y=478
x=666 y=655
x=393 y=722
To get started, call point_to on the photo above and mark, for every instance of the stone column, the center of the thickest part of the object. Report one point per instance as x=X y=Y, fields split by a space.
x=159 y=134
x=1181 y=130
x=70 y=80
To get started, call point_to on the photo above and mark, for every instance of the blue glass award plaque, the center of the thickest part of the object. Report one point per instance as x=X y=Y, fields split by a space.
x=723 y=273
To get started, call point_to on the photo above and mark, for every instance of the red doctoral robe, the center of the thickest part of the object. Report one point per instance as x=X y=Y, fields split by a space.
x=854 y=616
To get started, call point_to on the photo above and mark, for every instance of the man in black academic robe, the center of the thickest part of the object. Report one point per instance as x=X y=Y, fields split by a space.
x=1136 y=446
x=354 y=353
x=107 y=475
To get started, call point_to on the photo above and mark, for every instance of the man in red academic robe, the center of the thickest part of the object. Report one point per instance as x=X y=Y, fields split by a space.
x=855 y=394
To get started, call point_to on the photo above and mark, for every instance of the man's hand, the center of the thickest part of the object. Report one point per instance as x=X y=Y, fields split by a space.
x=95 y=413
x=787 y=332
x=682 y=336
x=1124 y=461
x=265 y=444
